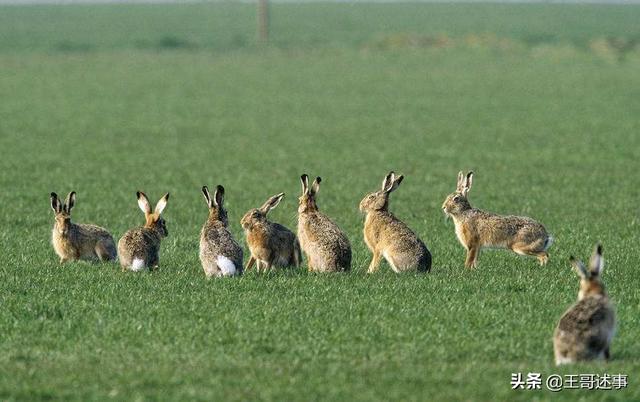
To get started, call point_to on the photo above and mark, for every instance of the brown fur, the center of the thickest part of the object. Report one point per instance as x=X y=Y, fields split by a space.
x=477 y=229
x=216 y=240
x=78 y=241
x=143 y=243
x=387 y=236
x=586 y=329
x=270 y=243
x=325 y=245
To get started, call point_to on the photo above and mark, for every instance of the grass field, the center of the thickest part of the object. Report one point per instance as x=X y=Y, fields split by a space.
x=106 y=100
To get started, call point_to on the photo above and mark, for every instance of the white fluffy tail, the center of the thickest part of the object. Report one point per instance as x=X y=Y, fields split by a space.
x=547 y=243
x=137 y=264
x=227 y=266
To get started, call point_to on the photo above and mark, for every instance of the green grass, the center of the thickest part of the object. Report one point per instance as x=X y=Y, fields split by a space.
x=551 y=132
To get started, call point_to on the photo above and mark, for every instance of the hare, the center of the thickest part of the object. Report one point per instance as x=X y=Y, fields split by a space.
x=585 y=330
x=387 y=236
x=477 y=229
x=271 y=244
x=73 y=241
x=325 y=245
x=139 y=248
x=220 y=254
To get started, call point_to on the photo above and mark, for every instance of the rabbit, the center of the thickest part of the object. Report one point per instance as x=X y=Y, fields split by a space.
x=270 y=243
x=387 y=236
x=139 y=248
x=585 y=330
x=477 y=229
x=220 y=254
x=73 y=241
x=325 y=245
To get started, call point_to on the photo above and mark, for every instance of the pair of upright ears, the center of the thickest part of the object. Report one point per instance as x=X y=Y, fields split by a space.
x=391 y=182
x=315 y=186
x=145 y=206
x=218 y=197
x=464 y=183
x=59 y=207
x=596 y=264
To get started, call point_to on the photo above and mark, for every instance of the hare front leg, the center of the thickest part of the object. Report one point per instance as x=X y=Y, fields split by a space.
x=375 y=262
x=309 y=264
x=250 y=263
x=472 y=257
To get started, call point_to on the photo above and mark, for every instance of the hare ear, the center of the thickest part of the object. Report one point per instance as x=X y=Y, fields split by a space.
x=219 y=196
x=304 y=179
x=579 y=267
x=207 y=196
x=596 y=263
x=395 y=183
x=315 y=186
x=467 y=184
x=70 y=202
x=161 y=205
x=55 y=203
x=271 y=203
x=388 y=180
x=460 y=182
x=143 y=202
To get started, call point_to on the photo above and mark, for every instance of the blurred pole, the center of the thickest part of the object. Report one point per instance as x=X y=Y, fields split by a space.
x=263 y=22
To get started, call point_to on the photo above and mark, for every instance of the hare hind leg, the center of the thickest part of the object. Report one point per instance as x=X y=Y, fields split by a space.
x=105 y=251
x=543 y=257
x=532 y=250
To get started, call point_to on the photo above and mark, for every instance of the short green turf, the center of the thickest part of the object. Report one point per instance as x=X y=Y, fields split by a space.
x=550 y=127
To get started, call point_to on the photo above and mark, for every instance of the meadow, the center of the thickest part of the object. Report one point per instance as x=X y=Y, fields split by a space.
x=541 y=101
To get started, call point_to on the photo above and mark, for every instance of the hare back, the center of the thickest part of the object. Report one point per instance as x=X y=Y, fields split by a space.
x=81 y=240
x=586 y=329
x=324 y=243
x=216 y=240
x=319 y=229
x=400 y=246
x=141 y=244
x=272 y=238
x=497 y=231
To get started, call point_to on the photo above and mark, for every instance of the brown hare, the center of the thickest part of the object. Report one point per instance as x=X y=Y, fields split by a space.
x=325 y=245
x=139 y=248
x=477 y=229
x=585 y=330
x=78 y=241
x=270 y=243
x=388 y=236
x=220 y=254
